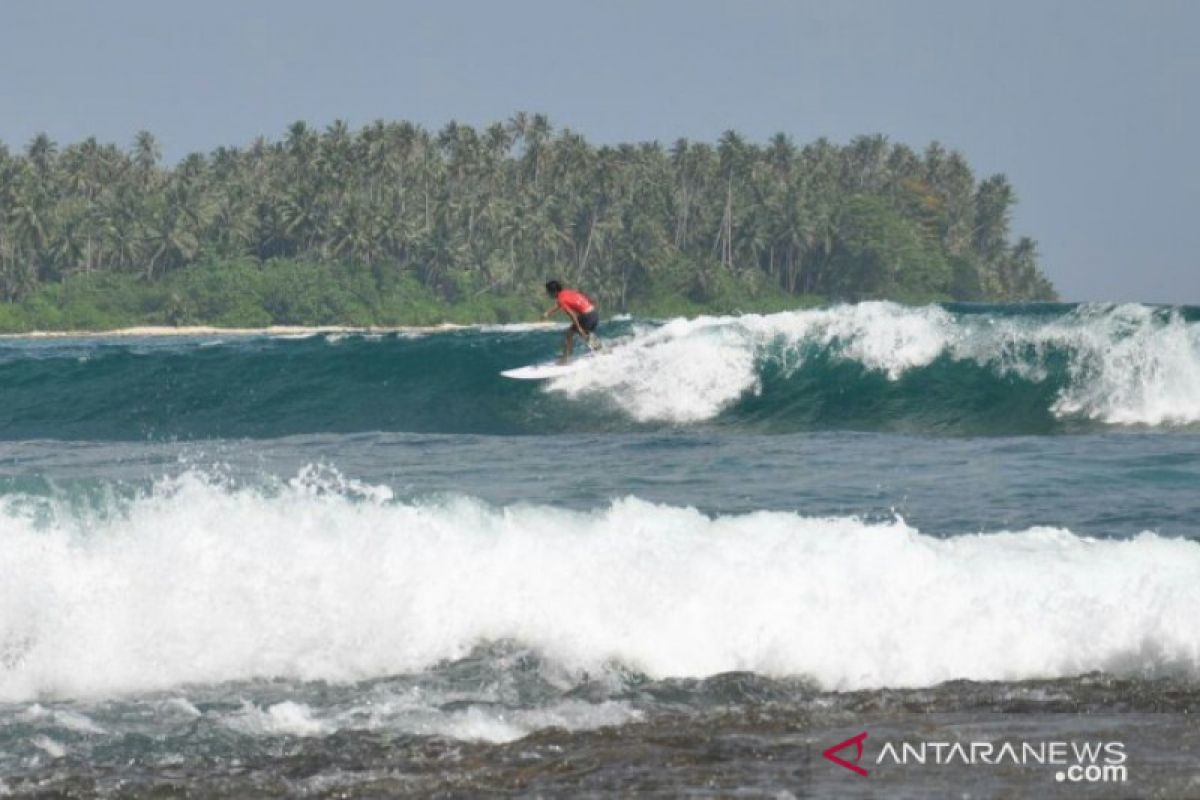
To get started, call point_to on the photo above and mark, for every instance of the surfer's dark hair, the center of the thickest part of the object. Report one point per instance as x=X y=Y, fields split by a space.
x=553 y=288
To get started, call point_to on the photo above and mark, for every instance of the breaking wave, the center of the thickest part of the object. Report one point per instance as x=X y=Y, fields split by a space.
x=955 y=370
x=196 y=582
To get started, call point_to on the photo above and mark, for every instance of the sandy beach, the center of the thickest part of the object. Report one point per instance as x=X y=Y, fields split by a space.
x=273 y=330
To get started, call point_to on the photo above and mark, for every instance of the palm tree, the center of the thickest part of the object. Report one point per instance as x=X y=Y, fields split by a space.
x=993 y=202
x=497 y=206
x=733 y=158
x=42 y=153
x=146 y=154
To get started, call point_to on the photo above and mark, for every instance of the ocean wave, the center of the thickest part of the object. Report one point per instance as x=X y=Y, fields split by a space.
x=196 y=582
x=1127 y=364
x=870 y=367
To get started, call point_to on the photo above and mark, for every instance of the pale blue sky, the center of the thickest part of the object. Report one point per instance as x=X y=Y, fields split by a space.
x=1089 y=107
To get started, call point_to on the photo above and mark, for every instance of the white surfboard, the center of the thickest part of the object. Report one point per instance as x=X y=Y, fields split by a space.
x=546 y=370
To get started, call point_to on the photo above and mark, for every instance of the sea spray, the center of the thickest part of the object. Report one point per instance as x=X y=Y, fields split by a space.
x=199 y=582
x=1126 y=364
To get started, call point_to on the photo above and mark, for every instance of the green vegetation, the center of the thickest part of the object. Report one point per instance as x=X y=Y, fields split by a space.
x=395 y=225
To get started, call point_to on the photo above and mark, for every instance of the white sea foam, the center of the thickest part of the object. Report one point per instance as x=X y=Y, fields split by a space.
x=493 y=724
x=684 y=371
x=1126 y=364
x=198 y=583
x=417 y=713
x=60 y=718
x=421 y=714
x=178 y=706
x=1133 y=366
x=286 y=718
x=48 y=746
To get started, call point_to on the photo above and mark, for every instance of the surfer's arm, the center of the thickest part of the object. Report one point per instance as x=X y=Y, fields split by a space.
x=551 y=311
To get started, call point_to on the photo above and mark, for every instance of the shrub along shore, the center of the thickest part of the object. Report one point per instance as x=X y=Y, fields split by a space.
x=292 y=294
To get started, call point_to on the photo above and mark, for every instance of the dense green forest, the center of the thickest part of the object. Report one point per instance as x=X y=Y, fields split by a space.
x=395 y=224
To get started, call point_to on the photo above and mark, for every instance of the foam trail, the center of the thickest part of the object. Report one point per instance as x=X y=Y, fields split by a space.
x=475 y=722
x=685 y=371
x=691 y=370
x=199 y=583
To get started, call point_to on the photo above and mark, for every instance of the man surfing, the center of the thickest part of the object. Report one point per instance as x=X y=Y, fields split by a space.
x=581 y=310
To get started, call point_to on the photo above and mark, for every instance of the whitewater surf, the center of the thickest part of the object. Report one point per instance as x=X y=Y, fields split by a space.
x=323 y=557
x=960 y=370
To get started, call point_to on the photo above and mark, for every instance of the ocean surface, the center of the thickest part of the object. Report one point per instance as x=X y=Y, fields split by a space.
x=368 y=565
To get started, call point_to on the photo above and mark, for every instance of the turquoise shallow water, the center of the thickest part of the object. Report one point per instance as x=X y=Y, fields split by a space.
x=327 y=559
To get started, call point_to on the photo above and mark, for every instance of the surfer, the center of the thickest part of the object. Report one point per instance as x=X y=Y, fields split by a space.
x=581 y=310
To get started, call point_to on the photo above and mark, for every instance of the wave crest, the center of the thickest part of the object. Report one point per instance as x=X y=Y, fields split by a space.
x=1126 y=364
x=871 y=366
x=202 y=583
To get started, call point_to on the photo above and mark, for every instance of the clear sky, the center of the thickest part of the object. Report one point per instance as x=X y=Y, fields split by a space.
x=1089 y=107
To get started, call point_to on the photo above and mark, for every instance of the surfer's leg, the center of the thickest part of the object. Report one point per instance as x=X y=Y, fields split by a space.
x=587 y=328
x=568 y=345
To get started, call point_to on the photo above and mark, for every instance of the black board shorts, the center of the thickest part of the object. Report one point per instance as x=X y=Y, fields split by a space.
x=589 y=321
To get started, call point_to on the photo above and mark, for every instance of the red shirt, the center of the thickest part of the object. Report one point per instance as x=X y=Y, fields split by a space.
x=571 y=300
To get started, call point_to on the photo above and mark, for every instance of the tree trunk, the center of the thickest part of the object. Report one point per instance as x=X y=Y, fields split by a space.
x=512 y=261
x=587 y=248
x=728 y=252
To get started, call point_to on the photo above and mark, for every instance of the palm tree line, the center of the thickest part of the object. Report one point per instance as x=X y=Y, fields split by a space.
x=498 y=209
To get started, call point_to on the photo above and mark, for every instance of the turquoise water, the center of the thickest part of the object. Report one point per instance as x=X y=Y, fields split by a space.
x=966 y=371
x=241 y=548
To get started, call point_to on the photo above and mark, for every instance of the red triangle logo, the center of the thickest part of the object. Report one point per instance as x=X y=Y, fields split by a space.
x=857 y=742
